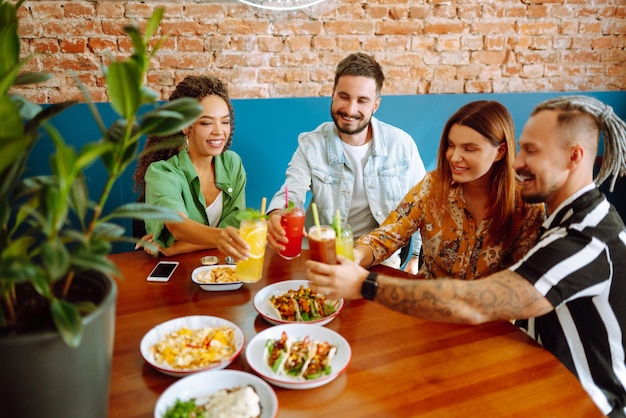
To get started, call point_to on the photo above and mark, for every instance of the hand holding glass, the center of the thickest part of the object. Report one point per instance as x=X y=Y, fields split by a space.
x=322 y=244
x=292 y=221
x=254 y=232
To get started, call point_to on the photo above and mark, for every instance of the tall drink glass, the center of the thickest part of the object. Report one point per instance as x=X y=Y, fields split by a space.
x=322 y=244
x=292 y=221
x=254 y=232
x=345 y=242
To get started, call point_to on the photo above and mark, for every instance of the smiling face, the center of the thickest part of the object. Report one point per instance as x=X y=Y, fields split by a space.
x=470 y=155
x=354 y=101
x=209 y=134
x=544 y=160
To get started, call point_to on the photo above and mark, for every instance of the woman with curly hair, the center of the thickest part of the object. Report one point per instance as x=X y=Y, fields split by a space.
x=200 y=179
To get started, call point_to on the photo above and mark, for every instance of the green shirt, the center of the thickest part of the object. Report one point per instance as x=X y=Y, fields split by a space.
x=174 y=184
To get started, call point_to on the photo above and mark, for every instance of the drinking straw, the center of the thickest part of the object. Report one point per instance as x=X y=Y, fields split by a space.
x=338 y=215
x=316 y=217
x=263 y=202
x=286 y=196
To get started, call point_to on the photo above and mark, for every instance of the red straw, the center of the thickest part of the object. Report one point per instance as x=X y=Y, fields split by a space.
x=286 y=196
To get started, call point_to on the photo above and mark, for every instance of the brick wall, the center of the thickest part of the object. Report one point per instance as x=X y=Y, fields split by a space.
x=425 y=46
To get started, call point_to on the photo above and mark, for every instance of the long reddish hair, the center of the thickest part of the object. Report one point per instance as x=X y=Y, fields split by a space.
x=493 y=121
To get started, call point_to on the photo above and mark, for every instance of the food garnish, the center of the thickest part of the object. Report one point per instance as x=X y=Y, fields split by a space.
x=302 y=305
x=193 y=349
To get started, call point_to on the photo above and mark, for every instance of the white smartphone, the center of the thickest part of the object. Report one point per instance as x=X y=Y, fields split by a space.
x=162 y=271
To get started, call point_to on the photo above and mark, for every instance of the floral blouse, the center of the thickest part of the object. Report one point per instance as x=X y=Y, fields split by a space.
x=452 y=244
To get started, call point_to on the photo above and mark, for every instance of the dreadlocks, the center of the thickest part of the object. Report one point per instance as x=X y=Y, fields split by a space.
x=612 y=128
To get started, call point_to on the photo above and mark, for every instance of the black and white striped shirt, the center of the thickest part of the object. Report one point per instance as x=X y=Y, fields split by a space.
x=579 y=265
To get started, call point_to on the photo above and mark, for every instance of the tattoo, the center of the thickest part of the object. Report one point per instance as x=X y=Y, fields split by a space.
x=502 y=296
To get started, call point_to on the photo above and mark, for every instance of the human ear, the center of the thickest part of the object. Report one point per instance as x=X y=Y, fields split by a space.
x=501 y=151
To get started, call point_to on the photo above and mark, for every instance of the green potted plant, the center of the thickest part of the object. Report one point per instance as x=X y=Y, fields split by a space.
x=57 y=293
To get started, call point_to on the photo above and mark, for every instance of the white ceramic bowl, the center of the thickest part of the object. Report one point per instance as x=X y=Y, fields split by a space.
x=256 y=354
x=215 y=287
x=191 y=322
x=204 y=384
x=264 y=307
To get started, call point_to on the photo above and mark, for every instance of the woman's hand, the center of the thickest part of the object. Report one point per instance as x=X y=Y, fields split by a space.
x=231 y=243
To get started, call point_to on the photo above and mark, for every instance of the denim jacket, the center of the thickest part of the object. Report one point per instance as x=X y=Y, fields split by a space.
x=320 y=166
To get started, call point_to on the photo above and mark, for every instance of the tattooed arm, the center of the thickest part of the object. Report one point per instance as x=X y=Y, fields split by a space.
x=502 y=296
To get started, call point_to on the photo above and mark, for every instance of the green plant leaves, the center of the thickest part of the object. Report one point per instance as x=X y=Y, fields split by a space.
x=39 y=239
x=123 y=80
x=171 y=118
x=68 y=321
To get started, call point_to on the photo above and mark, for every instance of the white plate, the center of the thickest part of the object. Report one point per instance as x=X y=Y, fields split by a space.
x=264 y=307
x=255 y=354
x=204 y=384
x=215 y=287
x=191 y=322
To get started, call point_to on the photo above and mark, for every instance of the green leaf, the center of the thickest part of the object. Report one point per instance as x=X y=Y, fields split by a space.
x=55 y=258
x=100 y=262
x=153 y=23
x=250 y=214
x=148 y=96
x=11 y=128
x=78 y=198
x=171 y=118
x=68 y=321
x=143 y=211
x=32 y=77
x=135 y=36
x=123 y=85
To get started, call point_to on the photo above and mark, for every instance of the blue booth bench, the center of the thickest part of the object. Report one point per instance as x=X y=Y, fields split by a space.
x=266 y=132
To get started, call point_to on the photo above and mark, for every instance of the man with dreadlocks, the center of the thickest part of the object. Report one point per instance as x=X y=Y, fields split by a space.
x=567 y=292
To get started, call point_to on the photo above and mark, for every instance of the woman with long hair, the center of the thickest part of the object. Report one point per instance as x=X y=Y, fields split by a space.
x=471 y=217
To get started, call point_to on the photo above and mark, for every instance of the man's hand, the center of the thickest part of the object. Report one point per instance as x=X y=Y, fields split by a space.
x=342 y=280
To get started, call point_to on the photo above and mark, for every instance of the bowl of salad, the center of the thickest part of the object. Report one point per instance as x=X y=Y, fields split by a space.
x=218 y=393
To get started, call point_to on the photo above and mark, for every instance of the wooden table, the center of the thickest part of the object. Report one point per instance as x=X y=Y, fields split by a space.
x=401 y=366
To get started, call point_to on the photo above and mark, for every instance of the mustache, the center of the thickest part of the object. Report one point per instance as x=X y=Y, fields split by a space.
x=345 y=115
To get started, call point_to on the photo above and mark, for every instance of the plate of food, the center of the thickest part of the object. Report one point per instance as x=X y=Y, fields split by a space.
x=222 y=393
x=191 y=344
x=216 y=278
x=298 y=356
x=292 y=301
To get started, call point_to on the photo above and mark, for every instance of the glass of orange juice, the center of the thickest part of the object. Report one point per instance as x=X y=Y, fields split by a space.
x=254 y=232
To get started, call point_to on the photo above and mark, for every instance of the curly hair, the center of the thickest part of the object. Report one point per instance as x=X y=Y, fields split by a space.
x=163 y=147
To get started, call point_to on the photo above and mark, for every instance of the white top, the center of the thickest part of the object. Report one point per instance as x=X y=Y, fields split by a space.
x=214 y=210
x=360 y=217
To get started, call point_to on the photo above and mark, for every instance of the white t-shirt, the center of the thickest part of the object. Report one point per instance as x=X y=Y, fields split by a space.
x=214 y=210
x=360 y=217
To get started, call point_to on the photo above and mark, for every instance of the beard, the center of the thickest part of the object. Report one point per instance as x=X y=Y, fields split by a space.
x=359 y=128
x=533 y=197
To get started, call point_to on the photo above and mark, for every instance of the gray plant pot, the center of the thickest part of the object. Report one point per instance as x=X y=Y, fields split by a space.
x=43 y=377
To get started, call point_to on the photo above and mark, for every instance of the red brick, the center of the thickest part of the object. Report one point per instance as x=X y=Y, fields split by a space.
x=74 y=45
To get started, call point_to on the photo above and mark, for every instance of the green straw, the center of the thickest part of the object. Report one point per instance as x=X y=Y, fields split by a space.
x=338 y=216
x=316 y=217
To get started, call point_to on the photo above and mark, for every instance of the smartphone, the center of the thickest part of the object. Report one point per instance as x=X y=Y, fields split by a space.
x=163 y=271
